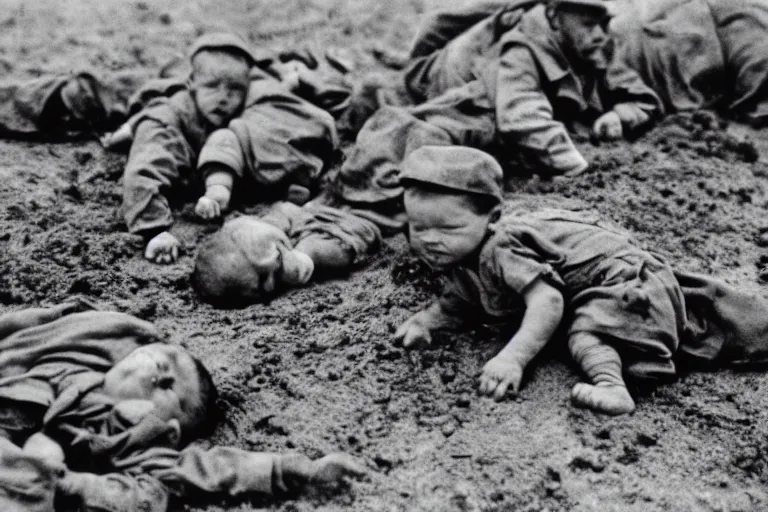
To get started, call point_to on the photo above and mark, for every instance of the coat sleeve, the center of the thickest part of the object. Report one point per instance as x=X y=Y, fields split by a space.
x=159 y=156
x=222 y=470
x=525 y=117
x=637 y=103
x=115 y=492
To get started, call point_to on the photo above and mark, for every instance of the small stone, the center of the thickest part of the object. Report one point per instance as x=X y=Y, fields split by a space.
x=762 y=240
x=83 y=157
x=646 y=440
x=448 y=429
x=497 y=496
x=463 y=401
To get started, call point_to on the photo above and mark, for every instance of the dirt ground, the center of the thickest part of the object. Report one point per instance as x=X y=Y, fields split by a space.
x=316 y=370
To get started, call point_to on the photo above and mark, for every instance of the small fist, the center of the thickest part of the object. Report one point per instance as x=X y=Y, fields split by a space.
x=43 y=447
x=331 y=468
x=608 y=127
x=163 y=248
x=500 y=374
x=413 y=333
x=207 y=208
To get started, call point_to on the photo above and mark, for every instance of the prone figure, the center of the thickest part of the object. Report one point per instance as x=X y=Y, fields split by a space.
x=624 y=311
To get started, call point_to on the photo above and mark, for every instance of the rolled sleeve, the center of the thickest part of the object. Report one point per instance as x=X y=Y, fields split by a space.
x=223 y=148
x=222 y=469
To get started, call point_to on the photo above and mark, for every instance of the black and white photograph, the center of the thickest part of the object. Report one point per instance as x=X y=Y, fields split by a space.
x=384 y=256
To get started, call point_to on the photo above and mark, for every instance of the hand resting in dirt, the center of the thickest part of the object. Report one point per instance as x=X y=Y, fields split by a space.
x=608 y=127
x=162 y=248
x=415 y=333
x=218 y=191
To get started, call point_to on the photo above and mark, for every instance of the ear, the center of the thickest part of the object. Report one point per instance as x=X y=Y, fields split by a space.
x=554 y=19
x=174 y=436
x=495 y=214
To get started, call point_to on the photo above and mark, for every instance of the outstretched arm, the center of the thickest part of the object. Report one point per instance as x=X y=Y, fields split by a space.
x=234 y=471
x=543 y=313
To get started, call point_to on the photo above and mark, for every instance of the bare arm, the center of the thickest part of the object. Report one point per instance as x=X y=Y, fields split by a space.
x=544 y=307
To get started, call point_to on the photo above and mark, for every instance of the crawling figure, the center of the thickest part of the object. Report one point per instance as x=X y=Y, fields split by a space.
x=95 y=413
x=624 y=311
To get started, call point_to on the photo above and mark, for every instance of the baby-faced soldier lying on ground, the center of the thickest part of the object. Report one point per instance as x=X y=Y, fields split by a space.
x=234 y=122
x=516 y=84
x=95 y=409
x=623 y=310
x=252 y=259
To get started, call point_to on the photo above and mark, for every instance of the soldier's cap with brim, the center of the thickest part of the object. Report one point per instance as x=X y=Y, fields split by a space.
x=455 y=168
x=225 y=41
x=605 y=6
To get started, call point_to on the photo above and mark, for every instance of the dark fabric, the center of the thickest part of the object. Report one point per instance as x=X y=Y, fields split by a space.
x=699 y=53
x=55 y=360
x=353 y=233
x=284 y=138
x=33 y=108
x=652 y=316
x=169 y=134
x=371 y=172
x=511 y=92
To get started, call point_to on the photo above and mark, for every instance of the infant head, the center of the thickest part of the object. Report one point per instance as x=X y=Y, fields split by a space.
x=248 y=261
x=167 y=381
x=219 y=82
x=451 y=196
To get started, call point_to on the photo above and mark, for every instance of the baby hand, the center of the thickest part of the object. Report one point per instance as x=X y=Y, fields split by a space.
x=331 y=468
x=43 y=447
x=163 y=248
x=207 y=208
x=608 y=126
x=413 y=333
x=499 y=374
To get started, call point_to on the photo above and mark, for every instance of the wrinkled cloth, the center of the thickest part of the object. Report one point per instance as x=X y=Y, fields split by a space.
x=354 y=233
x=281 y=139
x=371 y=172
x=52 y=365
x=699 y=53
x=441 y=64
x=628 y=297
x=169 y=134
x=33 y=108
x=510 y=91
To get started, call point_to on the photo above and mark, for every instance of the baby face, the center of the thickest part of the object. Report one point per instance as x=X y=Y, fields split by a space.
x=219 y=84
x=443 y=228
x=162 y=374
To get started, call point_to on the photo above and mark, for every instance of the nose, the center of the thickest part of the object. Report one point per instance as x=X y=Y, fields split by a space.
x=599 y=35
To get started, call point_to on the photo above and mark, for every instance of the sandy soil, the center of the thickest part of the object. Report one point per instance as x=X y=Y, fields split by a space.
x=316 y=370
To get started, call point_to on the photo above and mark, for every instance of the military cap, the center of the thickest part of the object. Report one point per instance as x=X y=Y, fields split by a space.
x=223 y=41
x=456 y=168
x=602 y=5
